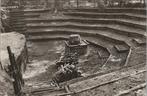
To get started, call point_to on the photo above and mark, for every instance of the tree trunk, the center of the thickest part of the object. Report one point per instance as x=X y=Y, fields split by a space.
x=77 y=3
x=56 y=6
x=100 y=4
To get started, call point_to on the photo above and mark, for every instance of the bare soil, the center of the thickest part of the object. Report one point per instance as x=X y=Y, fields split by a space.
x=42 y=58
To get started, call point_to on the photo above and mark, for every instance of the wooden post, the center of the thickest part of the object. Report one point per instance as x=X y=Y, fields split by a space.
x=15 y=72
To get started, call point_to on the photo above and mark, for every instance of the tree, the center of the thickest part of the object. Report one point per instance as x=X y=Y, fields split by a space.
x=57 y=6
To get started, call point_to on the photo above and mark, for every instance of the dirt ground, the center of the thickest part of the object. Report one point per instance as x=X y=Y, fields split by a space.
x=42 y=58
x=41 y=67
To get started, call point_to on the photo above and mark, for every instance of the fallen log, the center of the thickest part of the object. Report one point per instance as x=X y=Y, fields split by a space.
x=102 y=84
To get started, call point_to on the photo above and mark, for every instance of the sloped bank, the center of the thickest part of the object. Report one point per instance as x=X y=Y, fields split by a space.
x=17 y=43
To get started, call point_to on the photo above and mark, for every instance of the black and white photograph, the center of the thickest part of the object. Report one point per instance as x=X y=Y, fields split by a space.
x=73 y=47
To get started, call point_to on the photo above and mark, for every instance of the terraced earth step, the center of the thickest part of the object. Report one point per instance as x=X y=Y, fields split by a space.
x=36 y=10
x=141 y=23
x=111 y=37
x=72 y=18
x=65 y=37
x=111 y=10
x=93 y=21
x=137 y=15
x=116 y=20
x=105 y=33
x=21 y=30
x=49 y=37
x=139 y=42
x=117 y=28
x=31 y=15
x=107 y=15
x=117 y=14
x=123 y=30
x=19 y=13
x=133 y=15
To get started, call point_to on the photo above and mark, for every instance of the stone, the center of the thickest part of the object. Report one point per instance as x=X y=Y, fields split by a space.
x=80 y=49
x=139 y=93
x=74 y=39
x=121 y=48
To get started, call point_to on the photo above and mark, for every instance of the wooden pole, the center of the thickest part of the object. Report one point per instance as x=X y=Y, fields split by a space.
x=14 y=69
